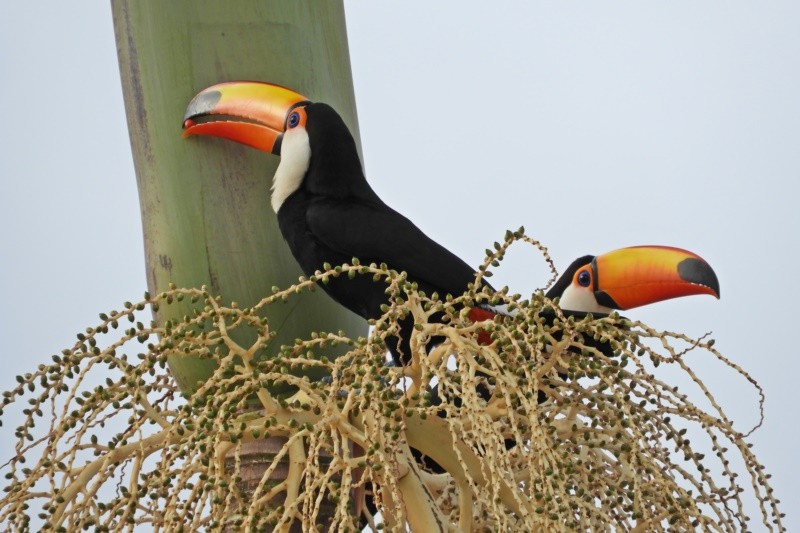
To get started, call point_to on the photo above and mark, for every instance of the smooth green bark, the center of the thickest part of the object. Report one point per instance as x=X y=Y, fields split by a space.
x=205 y=202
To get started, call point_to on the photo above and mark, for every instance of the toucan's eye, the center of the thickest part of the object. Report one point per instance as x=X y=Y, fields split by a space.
x=294 y=119
x=584 y=278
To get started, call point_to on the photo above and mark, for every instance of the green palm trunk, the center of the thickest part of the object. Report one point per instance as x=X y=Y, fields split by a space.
x=205 y=202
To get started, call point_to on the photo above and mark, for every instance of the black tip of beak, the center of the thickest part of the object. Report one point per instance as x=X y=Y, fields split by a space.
x=699 y=272
x=202 y=104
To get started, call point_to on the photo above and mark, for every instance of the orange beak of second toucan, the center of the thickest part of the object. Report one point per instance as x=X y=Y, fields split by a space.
x=248 y=112
x=641 y=275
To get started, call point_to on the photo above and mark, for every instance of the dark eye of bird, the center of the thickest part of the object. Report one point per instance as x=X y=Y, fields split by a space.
x=294 y=119
x=584 y=279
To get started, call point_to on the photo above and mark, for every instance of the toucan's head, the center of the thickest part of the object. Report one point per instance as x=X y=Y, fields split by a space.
x=631 y=277
x=278 y=120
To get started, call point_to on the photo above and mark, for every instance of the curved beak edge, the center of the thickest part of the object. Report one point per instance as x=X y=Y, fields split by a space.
x=641 y=275
x=247 y=112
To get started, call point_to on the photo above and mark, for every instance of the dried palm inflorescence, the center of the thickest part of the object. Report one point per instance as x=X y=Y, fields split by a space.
x=108 y=442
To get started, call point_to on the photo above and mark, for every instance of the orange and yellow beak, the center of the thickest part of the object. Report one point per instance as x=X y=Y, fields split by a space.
x=248 y=112
x=641 y=275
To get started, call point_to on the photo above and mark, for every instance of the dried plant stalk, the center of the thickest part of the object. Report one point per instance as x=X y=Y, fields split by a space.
x=109 y=443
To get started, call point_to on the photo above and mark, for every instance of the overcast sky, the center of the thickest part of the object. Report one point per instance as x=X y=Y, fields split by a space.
x=595 y=125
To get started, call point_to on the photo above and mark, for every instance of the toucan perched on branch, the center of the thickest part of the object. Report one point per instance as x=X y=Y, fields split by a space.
x=328 y=213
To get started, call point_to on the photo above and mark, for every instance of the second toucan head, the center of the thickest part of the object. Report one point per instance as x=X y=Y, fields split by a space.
x=632 y=277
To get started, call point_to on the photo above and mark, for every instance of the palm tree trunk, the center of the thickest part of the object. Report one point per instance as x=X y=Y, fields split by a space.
x=206 y=213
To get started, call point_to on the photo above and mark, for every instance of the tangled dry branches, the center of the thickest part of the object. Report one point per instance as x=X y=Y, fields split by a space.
x=558 y=424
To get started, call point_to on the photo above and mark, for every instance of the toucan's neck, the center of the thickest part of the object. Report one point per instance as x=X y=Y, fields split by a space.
x=335 y=169
x=292 y=169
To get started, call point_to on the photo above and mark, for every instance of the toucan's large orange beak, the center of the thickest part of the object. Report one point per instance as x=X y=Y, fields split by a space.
x=641 y=275
x=248 y=112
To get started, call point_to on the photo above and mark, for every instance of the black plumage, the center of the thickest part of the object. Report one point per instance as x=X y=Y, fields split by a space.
x=335 y=216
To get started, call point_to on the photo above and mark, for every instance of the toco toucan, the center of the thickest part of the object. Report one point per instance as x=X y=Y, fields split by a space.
x=328 y=213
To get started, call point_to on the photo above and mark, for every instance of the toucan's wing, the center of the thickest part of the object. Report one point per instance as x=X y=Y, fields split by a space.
x=377 y=233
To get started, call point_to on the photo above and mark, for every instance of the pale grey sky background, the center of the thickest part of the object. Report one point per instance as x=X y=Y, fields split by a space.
x=596 y=125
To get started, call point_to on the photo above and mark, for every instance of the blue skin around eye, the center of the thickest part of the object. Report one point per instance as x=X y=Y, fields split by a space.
x=294 y=119
x=584 y=279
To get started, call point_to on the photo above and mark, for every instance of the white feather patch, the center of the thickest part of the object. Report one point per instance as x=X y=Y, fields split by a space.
x=295 y=158
x=581 y=299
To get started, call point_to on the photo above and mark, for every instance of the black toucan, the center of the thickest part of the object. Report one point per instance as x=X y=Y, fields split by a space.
x=328 y=213
x=626 y=278
x=597 y=285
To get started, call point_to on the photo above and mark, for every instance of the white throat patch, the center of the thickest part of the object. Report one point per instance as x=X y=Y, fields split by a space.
x=582 y=300
x=295 y=158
